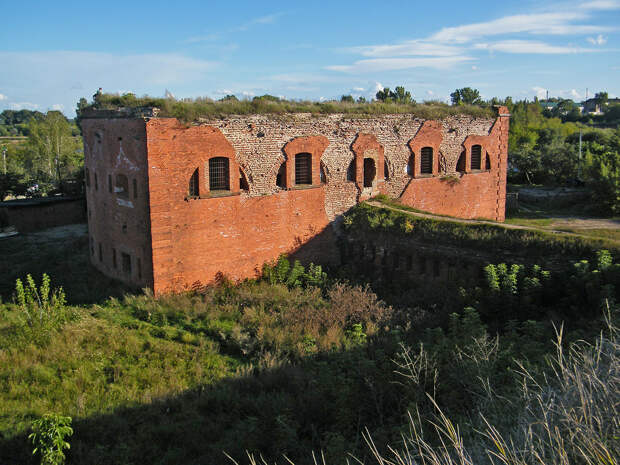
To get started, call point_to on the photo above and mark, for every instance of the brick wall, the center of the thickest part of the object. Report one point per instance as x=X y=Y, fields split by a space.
x=196 y=235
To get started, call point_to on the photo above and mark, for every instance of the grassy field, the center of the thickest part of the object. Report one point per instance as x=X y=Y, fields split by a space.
x=283 y=366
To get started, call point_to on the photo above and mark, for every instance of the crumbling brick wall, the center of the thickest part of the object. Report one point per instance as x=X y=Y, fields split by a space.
x=195 y=235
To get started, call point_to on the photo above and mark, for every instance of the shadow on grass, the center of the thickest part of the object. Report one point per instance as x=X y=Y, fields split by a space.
x=323 y=403
x=62 y=253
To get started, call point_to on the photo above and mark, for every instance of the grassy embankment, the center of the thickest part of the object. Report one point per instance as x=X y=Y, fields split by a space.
x=294 y=363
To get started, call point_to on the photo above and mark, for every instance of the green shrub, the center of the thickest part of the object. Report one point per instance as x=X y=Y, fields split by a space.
x=48 y=436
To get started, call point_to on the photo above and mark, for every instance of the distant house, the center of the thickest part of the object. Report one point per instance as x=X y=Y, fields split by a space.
x=593 y=106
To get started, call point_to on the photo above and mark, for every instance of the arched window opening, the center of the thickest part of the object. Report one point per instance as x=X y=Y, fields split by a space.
x=410 y=165
x=281 y=176
x=219 y=179
x=370 y=172
x=193 y=189
x=303 y=168
x=243 y=182
x=323 y=173
x=351 y=171
x=476 y=157
x=426 y=160
x=121 y=187
x=487 y=165
x=460 y=165
x=386 y=173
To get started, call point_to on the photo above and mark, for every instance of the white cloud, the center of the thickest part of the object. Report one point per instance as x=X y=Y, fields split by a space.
x=601 y=5
x=430 y=93
x=23 y=105
x=247 y=93
x=58 y=107
x=358 y=89
x=390 y=64
x=540 y=92
x=378 y=87
x=559 y=23
x=412 y=47
x=598 y=40
x=474 y=68
x=530 y=46
x=3 y=97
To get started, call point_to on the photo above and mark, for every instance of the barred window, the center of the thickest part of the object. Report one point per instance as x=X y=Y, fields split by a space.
x=193 y=190
x=426 y=160
x=122 y=186
x=303 y=168
x=218 y=174
x=476 y=157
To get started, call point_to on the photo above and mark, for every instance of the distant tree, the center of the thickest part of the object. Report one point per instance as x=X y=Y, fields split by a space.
x=266 y=97
x=347 y=99
x=466 y=96
x=399 y=95
x=601 y=98
x=361 y=99
x=402 y=96
x=384 y=95
x=228 y=98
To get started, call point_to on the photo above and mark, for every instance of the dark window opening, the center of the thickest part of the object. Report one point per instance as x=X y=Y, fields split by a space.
x=410 y=165
x=100 y=252
x=370 y=172
x=460 y=165
x=98 y=137
x=114 y=258
x=243 y=182
x=476 y=157
x=126 y=263
x=87 y=177
x=124 y=228
x=218 y=174
x=436 y=268
x=426 y=160
x=422 y=265
x=110 y=183
x=386 y=174
x=281 y=176
x=322 y=173
x=139 y=269
x=193 y=190
x=487 y=165
x=303 y=168
x=122 y=186
x=351 y=171
x=135 y=188
x=96 y=183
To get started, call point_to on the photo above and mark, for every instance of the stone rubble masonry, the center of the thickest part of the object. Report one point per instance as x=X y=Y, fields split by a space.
x=176 y=241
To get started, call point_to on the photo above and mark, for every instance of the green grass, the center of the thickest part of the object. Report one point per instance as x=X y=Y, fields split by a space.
x=192 y=110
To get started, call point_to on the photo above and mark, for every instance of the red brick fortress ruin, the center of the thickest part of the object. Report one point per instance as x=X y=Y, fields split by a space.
x=172 y=205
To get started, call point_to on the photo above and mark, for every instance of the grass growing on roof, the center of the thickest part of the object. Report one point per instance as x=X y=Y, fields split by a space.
x=202 y=107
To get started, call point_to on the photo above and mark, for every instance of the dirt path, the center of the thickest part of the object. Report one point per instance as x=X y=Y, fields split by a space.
x=569 y=222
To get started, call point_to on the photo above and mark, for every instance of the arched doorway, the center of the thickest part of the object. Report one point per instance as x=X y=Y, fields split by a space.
x=370 y=172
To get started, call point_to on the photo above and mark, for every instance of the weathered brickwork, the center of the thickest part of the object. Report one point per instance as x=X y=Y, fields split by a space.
x=185 y=226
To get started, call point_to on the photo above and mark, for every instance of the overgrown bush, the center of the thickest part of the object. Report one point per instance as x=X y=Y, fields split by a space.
x=48 y=436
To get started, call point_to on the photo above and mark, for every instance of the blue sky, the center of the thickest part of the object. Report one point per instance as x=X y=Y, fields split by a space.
x=53 y=53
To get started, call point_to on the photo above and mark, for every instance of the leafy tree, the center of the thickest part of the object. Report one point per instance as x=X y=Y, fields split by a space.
x=347 y=99
x=399 y=95
x=466 y=96
x=52 y=148
x=601 y=98
x=229 y=98
x=48 y=437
